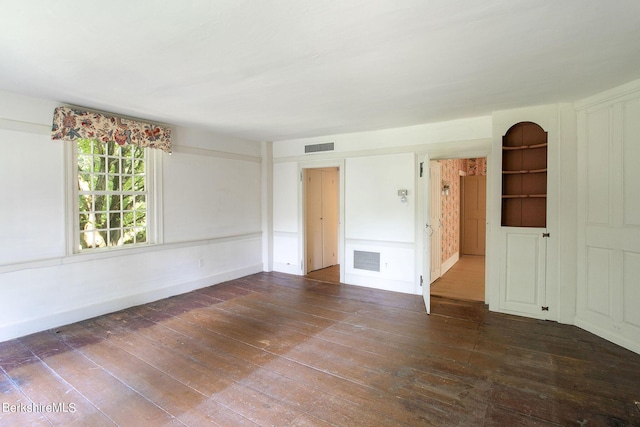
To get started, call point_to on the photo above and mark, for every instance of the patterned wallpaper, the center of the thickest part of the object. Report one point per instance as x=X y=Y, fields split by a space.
x=451 y=204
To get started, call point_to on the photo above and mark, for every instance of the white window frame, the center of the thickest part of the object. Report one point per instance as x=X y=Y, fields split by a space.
x=153 y=185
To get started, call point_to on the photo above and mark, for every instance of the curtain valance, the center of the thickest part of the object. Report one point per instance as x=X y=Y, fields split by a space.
x=70 y=124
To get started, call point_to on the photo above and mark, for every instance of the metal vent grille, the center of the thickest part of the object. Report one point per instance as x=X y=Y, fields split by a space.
x=315 y=148
x=366 y=260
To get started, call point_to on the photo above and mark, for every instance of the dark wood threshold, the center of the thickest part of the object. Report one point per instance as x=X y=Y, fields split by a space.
x=274 y=349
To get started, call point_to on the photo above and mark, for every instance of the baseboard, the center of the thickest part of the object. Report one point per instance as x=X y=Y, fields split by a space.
x=603 y=333
x=26 y=327
x=288 y=268
x=382 y=284
x=449 y=263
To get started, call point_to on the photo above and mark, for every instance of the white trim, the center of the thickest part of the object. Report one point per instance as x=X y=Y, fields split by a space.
x=610 y=96
x=127 y=251
x=27 y=127
x=179 y=149
x=607 y=334
x=445 y=150
x=315 y=164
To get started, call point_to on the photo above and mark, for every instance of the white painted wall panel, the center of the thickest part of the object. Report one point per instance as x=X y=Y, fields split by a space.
x=631 y=159
x=31 y=197
x=631 y=288
x=373 y=208
x=608 y=219
x=285 y=197
x=599 y=280
x=598 y=155
x=207 y=197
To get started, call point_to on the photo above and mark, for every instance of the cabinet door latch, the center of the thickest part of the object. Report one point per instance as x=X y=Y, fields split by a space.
x=546 y=234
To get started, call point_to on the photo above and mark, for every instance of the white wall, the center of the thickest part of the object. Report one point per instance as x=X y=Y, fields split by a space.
x=373 y=166
x=212 y=225
x=608 y=297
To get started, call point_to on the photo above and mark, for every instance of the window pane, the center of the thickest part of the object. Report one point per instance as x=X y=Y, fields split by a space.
x=114 y=183
x=100 y=182
x=84 y=220
x=84 y=163
x=109 y=214
x=129 y=219
x=100 y=202
x=127 y=166
x=139 y=167
x=139 y=183
x=84 y=203
x=127 y=183
x=84 y=182
x=141 y=235
x=84 y=146
x=127 y=202
x=113 y=165
x=101 y=220
x=141 y=219
x=141 y=202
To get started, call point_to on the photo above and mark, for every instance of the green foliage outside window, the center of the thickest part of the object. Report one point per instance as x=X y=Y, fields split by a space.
x=112 y=197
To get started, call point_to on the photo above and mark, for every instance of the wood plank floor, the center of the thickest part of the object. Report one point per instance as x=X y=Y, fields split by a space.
x=278 y=350
x=465 y=280
x=329 y=274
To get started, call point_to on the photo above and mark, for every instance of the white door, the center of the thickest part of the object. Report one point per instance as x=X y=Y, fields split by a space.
x=435 y=219
x=313 y=219
x=427 y=230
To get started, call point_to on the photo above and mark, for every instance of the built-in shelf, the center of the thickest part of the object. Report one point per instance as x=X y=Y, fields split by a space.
x=524 y=176
x=525 y=171
x=521 y=196
x=524 y=147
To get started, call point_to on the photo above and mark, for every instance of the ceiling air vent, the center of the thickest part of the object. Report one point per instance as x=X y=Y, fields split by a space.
x=316 y=148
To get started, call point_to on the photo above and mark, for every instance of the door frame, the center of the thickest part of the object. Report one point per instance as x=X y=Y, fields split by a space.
x=473 y=149
x=302 y=242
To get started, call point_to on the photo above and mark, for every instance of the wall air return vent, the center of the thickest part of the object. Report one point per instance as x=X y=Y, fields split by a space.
x=316 y=148
x=366 y=260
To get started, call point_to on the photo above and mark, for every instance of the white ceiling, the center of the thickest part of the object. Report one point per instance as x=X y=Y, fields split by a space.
x=282 y=69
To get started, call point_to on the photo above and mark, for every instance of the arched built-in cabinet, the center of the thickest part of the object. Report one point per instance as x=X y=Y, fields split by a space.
x=524 y=176
x=523 y=236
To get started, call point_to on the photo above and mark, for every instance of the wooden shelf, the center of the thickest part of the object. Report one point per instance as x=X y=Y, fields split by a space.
x=524 y=147
x=524 y=176
x=525 y=171
x=522 y=196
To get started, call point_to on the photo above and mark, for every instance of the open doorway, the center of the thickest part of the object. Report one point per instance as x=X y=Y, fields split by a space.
x=462 y=192
x=321 y=222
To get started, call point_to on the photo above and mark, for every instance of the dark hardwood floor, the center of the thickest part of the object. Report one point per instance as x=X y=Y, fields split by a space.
x=277 y=350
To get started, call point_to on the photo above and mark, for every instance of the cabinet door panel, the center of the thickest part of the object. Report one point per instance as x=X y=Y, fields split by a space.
x=524 y=269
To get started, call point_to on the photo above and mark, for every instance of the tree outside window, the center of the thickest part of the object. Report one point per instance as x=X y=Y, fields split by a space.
x=112 y=194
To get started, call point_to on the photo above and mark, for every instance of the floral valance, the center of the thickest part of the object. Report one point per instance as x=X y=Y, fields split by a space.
x=69 y=124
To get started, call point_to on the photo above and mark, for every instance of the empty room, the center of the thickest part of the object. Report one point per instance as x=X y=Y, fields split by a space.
x=320 y=213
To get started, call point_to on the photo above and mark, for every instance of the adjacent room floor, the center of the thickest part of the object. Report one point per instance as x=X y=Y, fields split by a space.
x=464 y=280
x=274 y=349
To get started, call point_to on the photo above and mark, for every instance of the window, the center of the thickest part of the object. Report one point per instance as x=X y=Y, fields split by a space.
x=112 y=195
